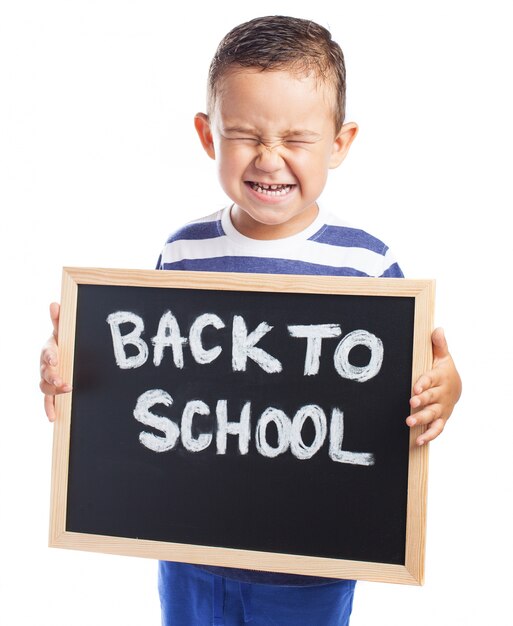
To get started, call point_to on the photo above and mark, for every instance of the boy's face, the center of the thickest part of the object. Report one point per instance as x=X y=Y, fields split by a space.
x=272 y=135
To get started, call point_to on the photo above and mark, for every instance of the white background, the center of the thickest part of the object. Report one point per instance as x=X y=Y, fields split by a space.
x=99 y=163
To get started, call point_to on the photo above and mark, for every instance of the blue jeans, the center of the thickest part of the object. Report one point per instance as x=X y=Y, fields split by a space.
x=190 y=596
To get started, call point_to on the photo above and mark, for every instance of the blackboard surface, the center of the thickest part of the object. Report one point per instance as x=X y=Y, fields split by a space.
x=318 y=506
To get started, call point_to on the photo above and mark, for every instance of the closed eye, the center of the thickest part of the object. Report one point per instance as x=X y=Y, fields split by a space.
x=252 y=139
x=299 y=142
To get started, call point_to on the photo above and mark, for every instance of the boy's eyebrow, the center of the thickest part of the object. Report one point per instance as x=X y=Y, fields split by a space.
x=289 y=133
x=303 y=132
x=239 y=129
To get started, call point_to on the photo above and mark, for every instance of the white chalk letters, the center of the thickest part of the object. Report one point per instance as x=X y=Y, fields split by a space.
x=289 y=430
x=243 y=344
x=131 y=351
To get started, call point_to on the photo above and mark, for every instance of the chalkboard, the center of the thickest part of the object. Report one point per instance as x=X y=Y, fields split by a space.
x=252 y=421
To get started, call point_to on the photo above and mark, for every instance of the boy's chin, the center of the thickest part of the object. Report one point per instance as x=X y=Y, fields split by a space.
x=272 y=223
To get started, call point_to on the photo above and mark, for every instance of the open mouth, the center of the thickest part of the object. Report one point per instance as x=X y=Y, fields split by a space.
x=270 y=190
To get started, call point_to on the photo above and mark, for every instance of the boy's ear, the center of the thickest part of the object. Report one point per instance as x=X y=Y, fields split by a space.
x=202 y=125
x=342 y=143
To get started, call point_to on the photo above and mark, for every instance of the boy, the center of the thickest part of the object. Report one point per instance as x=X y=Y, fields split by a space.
x=275 y=126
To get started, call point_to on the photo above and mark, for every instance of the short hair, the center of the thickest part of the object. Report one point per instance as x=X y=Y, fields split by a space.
x=278 y=42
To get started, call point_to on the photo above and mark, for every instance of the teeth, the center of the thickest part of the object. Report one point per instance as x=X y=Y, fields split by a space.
x=271 y=190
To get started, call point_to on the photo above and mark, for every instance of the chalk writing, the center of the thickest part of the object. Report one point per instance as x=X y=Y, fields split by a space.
x=287 y=431
x=243 y=344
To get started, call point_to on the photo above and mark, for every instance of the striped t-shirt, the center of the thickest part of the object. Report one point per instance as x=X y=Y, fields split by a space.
x=327 y=247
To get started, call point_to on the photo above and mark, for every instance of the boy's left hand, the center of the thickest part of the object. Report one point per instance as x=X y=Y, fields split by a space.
x=435 y=392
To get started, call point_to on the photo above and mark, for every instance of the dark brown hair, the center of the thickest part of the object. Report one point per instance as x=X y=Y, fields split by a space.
x=277 y=42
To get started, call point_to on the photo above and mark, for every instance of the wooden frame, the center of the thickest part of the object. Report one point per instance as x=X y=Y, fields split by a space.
x=411 y=572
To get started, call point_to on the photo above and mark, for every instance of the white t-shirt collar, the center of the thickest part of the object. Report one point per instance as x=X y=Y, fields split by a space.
x=267 y=244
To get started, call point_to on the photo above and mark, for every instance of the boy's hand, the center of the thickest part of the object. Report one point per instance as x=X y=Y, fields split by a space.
x=51 y=383
x=436 y=392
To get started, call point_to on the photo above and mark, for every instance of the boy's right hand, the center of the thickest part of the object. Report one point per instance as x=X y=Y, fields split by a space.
x=51 y=383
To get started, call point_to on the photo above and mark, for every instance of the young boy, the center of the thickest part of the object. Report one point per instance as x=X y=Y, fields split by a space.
x=275 y=126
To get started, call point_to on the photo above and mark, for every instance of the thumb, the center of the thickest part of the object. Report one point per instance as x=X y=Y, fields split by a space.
x=54 y=316
x=439 y=342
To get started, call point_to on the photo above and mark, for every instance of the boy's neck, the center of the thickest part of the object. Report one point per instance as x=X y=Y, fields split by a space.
x=252 y=229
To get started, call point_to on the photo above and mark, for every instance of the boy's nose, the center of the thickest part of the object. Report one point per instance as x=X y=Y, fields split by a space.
x=268 y=159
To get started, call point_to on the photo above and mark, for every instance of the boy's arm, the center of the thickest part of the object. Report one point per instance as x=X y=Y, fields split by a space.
x=436 y=391
x=51 y=383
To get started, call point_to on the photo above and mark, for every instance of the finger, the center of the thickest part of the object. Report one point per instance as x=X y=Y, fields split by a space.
x=439 y=343
x=50 y=353
x=50 y=389
x=426 y=381
x=49 y=357
x=54 y=316
x=50 y=375
x=50 y=408
x=47 y=388
x=430 y=396
x=432 y=432
x=426 y=416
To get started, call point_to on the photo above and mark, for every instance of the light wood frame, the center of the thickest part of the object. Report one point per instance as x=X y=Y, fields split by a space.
x=423 y=293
